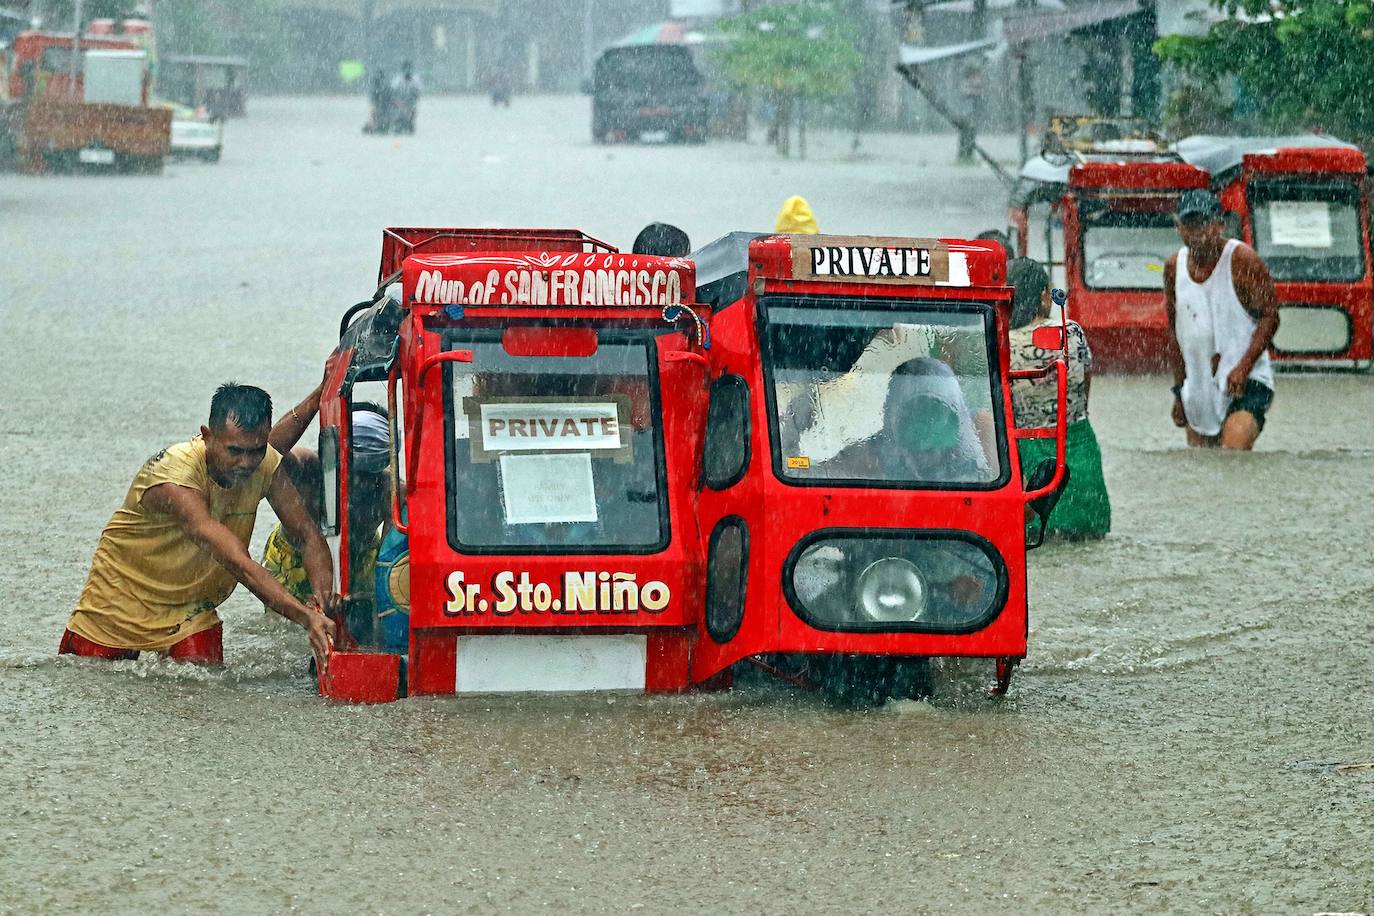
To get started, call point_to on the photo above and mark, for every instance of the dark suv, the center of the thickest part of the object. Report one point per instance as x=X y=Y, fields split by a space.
x=648 y=92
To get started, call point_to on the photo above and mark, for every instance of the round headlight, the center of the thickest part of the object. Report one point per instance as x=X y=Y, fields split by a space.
x=892 y=590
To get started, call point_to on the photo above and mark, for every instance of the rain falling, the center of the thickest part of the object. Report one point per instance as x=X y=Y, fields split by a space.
x=686 y=455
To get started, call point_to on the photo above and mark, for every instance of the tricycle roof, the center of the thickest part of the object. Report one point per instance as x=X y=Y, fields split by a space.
x=583 y=280
x=854 y=259
x=1222 y=155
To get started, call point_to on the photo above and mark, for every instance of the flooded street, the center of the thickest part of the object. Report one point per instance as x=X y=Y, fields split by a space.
x=1180 y=737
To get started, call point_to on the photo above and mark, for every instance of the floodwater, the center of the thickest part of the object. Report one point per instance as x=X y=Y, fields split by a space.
x=1180 y=738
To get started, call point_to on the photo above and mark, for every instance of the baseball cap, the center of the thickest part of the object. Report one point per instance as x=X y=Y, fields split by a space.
x=1198 y=203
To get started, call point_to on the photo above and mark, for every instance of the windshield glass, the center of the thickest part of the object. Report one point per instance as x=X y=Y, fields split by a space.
x=1308 y=231
x=892 y=395
x=659 y=68
x=1125 y=249
x=555 y=454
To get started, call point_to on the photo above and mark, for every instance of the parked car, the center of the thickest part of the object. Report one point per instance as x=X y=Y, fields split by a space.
x=650 y=93
x=195 y=135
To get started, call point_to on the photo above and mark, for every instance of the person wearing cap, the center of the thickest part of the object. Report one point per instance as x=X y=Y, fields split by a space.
x=1223 y=312
x=178 y=545
x=1084 y=510
x=662 y=239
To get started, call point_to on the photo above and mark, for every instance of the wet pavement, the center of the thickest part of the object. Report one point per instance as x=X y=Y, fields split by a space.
x=1181 y=737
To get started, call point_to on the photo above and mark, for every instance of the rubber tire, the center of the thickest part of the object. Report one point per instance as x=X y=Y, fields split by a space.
x=866 y=681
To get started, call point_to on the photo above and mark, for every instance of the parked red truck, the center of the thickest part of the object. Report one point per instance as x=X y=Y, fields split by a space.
x=94 y=115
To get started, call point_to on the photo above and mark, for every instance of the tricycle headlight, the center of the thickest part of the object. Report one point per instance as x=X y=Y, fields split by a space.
x=895 y=580
x=892 y=590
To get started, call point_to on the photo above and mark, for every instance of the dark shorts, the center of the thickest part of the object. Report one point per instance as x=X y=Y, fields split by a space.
x=1255 y=400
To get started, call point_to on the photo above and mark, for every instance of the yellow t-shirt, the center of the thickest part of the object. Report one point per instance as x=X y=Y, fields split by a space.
x=150 y=585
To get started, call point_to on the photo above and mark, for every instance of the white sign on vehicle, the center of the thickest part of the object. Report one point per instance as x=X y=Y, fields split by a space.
x=654 y=136
x=542 y=427
x=96 y=156
x=1300 y=223
x=544 y=489
x=870 y=259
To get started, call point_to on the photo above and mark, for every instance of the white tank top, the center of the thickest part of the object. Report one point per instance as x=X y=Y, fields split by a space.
x=1210 y=321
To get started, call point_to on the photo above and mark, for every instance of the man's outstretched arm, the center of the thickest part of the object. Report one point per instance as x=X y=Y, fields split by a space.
x=192 y=514
x=1256 y=292
x=1171 y=350
x=286 y=501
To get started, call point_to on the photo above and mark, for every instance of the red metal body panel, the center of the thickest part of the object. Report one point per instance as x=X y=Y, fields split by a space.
x=1114 y=178
x=778 y=514
x=1128 y=328
x=1337 y=165
x=638 y=288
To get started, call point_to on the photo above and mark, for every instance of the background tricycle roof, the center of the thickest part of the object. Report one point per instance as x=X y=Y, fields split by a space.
x=1219 y=154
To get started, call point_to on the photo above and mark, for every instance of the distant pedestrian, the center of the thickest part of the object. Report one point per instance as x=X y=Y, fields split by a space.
x=971 y=92
x=500 y=84
x=664 y=240
x=1083 y=511
x=1223 y=312
x=379 y=99
x=405 y=99
x=796 y=218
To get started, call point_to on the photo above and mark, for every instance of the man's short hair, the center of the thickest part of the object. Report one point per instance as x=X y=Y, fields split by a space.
x=246 y=406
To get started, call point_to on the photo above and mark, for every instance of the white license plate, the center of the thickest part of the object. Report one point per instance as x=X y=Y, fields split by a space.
x=654 y=136
x=550 y=664
x=96 y=156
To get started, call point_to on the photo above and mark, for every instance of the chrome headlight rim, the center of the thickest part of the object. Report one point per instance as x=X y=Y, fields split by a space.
x=868 y=581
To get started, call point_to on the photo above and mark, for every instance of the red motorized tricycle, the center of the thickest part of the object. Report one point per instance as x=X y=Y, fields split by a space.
x=624 y=472
x=1098 y=210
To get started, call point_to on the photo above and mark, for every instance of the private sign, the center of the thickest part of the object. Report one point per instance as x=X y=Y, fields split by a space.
x=877 y=260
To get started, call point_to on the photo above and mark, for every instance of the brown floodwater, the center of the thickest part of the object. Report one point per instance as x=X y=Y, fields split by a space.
x=1185 y=735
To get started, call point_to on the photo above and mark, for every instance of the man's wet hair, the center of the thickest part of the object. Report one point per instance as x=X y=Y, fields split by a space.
x=662 y=239
x=371 y=407
x=1029 y=280
x=246 y=406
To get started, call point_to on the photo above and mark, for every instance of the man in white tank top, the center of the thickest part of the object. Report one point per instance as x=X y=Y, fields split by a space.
x=1223 y=312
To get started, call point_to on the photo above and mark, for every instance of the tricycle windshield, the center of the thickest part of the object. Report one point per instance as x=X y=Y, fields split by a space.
x=1308 y=231
x=867 y=392
x=1126 y=249
x=555 y=454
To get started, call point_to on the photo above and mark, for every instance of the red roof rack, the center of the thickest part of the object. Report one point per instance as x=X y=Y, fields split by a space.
x=399 y=244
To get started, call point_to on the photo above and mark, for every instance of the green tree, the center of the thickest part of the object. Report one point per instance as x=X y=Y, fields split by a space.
x=1307 y=63
x=798 y=50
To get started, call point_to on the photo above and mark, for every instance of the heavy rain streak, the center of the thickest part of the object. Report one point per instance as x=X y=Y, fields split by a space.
x=784 y=456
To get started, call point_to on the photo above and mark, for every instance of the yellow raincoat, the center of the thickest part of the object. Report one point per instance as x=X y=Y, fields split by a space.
x=796 y=218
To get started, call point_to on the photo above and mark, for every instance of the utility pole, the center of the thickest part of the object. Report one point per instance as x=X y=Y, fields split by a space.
x=588 y=48
x=75 y=67
x=979 y=23
x=369 y=50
